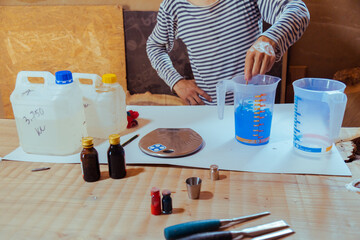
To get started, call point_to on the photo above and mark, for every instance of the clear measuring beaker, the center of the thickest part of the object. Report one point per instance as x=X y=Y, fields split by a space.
x=253 y=106
x=319 y=110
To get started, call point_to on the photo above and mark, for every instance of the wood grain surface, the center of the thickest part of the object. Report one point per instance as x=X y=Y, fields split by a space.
x=87 y=39
x=58 y=204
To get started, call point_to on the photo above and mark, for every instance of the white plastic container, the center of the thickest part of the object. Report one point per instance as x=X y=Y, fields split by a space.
x=105 y=104
x=50 y=116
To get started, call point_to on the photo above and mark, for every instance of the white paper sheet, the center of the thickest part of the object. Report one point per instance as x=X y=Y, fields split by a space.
x=221 y=148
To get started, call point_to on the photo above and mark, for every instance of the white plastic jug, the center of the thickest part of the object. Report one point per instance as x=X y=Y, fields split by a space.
x=253 y=106
x=319 y=110
x=105 y=104
x=49 y=116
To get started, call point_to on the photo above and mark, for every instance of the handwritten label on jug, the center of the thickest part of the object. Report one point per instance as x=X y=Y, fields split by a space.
x=27 y=92
x=33 y=115
x=40 y=130
x=31 y=118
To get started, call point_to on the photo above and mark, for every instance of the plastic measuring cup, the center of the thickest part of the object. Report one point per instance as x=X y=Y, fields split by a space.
x=253 y=106
x=319 y=111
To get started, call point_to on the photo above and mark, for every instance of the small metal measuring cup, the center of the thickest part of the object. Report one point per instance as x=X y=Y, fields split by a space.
x=193 y=185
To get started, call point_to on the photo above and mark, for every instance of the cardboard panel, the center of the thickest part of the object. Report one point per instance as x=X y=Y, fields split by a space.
x=88 y=39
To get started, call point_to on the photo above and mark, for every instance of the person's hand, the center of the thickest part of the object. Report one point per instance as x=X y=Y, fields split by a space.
x=189 y=92
x=260 y=57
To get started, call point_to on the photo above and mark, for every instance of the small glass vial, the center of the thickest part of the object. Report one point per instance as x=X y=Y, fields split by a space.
x=116 y=158
x=89 y=161
x=155 y=201
x=166 y=202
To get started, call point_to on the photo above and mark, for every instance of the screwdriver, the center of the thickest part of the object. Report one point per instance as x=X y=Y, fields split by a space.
x=247 y=232
x=188 y=228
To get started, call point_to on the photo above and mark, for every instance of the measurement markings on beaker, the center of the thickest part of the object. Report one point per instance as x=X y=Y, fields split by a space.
x=297 y=118
x=258 y=116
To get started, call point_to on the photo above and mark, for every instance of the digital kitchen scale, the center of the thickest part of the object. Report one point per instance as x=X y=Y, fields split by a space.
x=171 y=142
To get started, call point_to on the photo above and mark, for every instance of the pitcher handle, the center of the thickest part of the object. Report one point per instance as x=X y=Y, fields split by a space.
x=221 y=88
x=337 y=104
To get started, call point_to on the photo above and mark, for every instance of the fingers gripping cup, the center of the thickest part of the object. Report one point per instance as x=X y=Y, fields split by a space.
x=319 y=106
x=253 y=106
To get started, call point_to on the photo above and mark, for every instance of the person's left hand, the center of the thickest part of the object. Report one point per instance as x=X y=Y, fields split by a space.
x=260 y=57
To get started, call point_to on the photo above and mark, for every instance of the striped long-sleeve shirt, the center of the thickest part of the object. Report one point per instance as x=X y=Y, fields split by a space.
x=218 y=36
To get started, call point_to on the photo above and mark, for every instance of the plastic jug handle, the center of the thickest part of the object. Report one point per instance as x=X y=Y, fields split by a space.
x=337 y=104
x=96 y=79
x=221 y=88
x=22 y=77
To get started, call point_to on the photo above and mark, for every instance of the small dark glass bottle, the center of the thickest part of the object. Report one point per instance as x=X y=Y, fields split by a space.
x=166 y=202
x=116 y=158
x=89 y=161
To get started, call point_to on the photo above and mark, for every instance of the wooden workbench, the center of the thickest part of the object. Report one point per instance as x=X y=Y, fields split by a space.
x=58 y=204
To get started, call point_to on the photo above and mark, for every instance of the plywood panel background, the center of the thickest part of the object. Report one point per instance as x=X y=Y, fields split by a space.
x=133 y=5
x=88 y=39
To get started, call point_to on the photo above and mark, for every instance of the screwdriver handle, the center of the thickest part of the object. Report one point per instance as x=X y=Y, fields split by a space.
x=224 y=235
x=188 y=228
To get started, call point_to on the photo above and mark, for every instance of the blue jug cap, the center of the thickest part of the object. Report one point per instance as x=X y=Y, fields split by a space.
x=63 y=77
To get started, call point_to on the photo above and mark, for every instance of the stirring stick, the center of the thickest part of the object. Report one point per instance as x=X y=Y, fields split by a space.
x=130 y=140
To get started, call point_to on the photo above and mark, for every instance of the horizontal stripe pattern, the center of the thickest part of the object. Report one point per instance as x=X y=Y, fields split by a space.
x=218 y=36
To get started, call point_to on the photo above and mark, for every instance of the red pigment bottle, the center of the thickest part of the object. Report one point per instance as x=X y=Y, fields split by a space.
x=155 y=201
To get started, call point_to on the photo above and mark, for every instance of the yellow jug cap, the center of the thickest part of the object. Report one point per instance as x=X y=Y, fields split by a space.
x=87 y=142
x=114 y=139
x=109 y=78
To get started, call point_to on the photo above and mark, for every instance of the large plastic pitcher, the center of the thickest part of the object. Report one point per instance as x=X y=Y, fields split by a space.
x=49 y=116
x=104 y=103
x=253 y=106
x=319 y=111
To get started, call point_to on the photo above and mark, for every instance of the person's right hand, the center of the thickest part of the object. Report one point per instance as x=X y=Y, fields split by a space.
x=189 y=92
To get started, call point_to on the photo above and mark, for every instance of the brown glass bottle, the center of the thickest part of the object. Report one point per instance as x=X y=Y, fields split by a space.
x=89 y=161
x=116 y=158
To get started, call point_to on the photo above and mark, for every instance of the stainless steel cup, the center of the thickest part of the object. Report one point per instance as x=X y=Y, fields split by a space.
x=193 y=186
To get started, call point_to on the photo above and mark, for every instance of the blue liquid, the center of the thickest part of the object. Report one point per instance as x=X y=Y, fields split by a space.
x=252 y=127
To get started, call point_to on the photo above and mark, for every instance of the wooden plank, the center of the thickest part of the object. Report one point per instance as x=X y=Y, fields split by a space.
x=88 y=39
x=154 y=99
x=138 y=5
x=283 y=77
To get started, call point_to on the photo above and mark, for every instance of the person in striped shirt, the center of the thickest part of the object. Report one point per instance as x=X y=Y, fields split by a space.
x=223 y=38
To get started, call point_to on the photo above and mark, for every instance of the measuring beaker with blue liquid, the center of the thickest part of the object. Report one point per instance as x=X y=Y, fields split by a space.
x=253 y=106
x=319 y=106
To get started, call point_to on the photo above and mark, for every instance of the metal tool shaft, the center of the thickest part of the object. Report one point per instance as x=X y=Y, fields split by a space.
x=259 y=230
x=275 y=235
x=225 y=223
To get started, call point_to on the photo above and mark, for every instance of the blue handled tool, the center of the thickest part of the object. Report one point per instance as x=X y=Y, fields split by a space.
x=188 y=228
x=245 y=233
